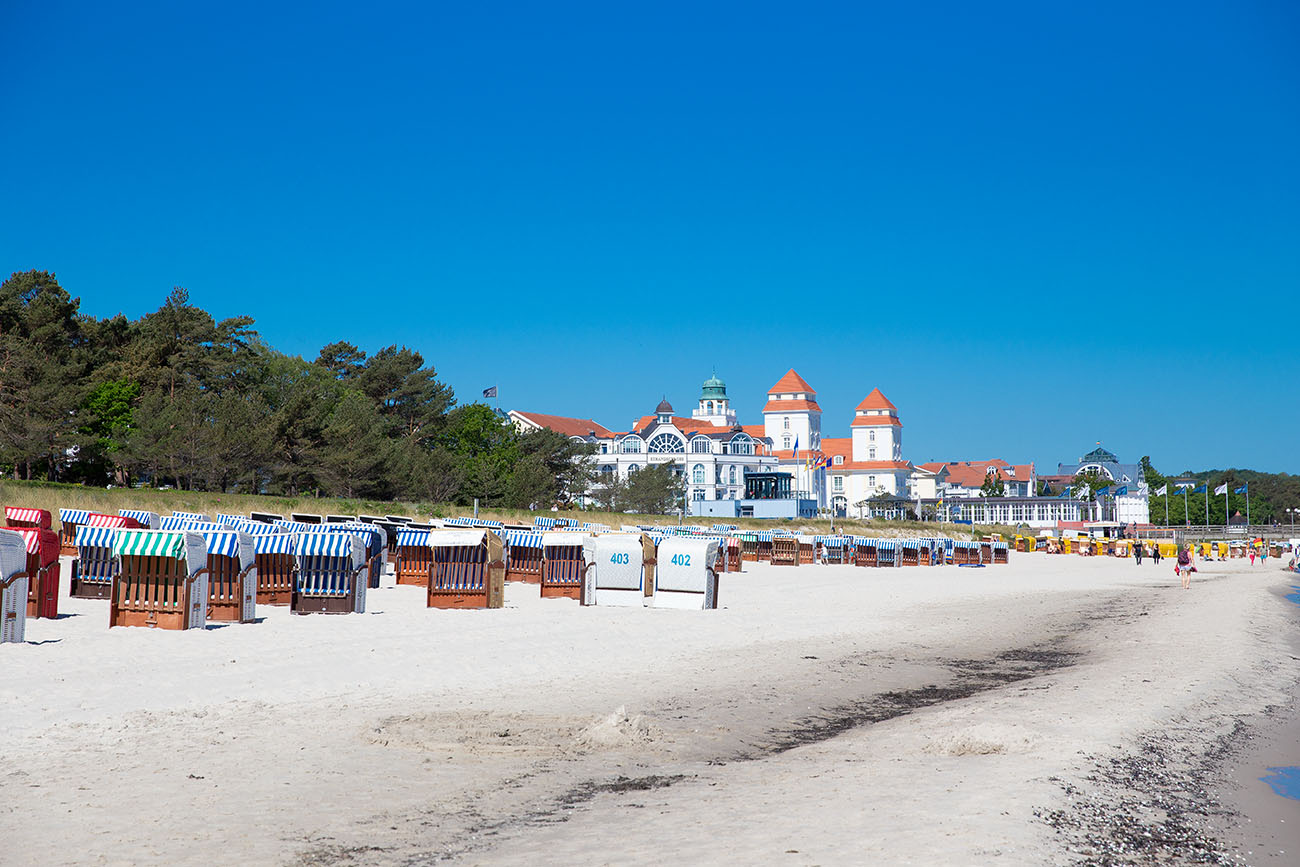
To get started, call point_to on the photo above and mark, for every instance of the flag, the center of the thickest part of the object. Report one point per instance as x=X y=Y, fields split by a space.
x=1181 y=485
x=490 y=392
x=1102 y=491
x=1242 y=489
x=1200 y=489
x=796 y=449
x=1164 y=489
x=1069 y=490
x=1121 y=490
x=1221 y=489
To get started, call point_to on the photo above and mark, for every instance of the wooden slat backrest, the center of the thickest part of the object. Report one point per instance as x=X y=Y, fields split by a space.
x=274 y=572
x=460 y=567
x=223 y=578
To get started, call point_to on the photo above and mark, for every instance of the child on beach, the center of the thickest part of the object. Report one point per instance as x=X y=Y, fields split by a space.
x=1252 y=555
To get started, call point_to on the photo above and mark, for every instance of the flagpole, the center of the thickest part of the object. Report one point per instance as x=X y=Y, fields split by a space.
x=1207 y=502
x=1248 y=507
x=1187 y=519
x=1225 y=508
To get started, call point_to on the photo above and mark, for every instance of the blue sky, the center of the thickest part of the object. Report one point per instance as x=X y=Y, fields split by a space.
x=1032 y=226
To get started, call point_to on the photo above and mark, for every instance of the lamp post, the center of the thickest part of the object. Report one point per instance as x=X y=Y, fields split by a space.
x=1292 y=514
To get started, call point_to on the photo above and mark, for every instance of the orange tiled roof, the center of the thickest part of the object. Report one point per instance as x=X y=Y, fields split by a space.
x=872 y=465
x=570 y=427
x=932 y=467
x=838 y=446
x=791 y=383
x=791 y=406
x=875 y=421
x=685 y=425
x=876 y=400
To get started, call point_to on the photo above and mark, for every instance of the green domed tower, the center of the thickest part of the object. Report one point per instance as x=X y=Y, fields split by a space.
x=715 y=406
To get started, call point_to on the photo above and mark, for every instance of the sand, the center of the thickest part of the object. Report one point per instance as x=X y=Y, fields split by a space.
x=1052 y=710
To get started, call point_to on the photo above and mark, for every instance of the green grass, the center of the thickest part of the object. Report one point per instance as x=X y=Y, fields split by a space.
x=54 y=496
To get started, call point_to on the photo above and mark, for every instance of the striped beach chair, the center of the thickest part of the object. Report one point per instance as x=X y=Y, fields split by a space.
x=329 y=573
x=376 y=542
x=864 y=551
x=21 y=516
x=94 y=566
x=563 y=564
x=42 y=571
x=148 y=520
x=468 y=569
x=833 y=549
x=232 y=575
x=414 y=557
x=785 y=551
x=808 y=550
x=687 y=575
x=161 y=580
x=13 y=588
x=69 y=521
x=117 y=522
x=523 y=556
x=731 y=550
x=909 y=552
x=273 y=553
x=1001 y=552
x=887 y=552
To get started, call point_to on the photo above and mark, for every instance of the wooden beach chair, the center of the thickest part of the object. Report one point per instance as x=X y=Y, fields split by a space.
x=161 y=580
x=94 y=566
x=563 y=564
x=232 y=575
x=42 y=569
x=785 y=551
x=909 y=552
x=414 y=557
x=21 y=516
x=1000 y=552
x=329 y=573
x=13 y=588
x=468 y=569
x=523 y=556
x=273 y=554
x=687 y=574
x=865 y=553
x=807 y=550
x=147 y=520
x=69 y=521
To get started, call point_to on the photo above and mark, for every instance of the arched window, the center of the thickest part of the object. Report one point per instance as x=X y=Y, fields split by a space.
x=697 y=474
x=733 y=476
x=666 y=443
x=871 y=435
x=631 y=445
x=741 y=444
x=607 y=469
x=631 y=468
x=787 y=423
x=701 y=446
x=839 y=459
x=785 y=442
x=709 y=407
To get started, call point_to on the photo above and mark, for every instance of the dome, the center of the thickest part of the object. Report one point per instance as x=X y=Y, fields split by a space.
x=714 y=389
x=664 y=407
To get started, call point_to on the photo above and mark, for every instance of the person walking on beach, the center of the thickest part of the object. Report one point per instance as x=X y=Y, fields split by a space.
x=1184 y=567
x=1252 y=555
x=1137 y=551
x=1155 y=553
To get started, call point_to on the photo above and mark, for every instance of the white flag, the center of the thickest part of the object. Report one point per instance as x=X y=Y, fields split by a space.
x=1221 y=489
x=1163 y=490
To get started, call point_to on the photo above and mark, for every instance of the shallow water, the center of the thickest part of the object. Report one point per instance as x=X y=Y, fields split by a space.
x=1284 y=781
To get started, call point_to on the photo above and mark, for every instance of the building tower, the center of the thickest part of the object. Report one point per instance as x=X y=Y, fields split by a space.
x=792 y=416
x=877 y=432
x=715 y=407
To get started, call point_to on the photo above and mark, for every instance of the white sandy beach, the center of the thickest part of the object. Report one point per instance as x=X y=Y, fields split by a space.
x=824 y=715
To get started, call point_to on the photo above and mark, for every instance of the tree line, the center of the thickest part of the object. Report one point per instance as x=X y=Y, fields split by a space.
x=179 y=398
x=1271 y=494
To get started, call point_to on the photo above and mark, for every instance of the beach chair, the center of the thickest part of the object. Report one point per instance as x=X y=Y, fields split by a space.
x=807 y=550
x=94 y=566
x=523 y=556
x=148 y=520
x=616 y=570
x=468 y=569
x=865 y=553
x=376 y=542
x=909 y=552
x=1001 y=552
x=21 y=516
x=329 y=573
x=965 y=552
x=265 y=517
x=161 y=580
x=785 y=551
x=888 y=553
x=42 y=569
x=232 y=575
x=687 y=574
x=273 y=554
x=306 y=518
x=732 y=545
x=832 y=549
x=986 y=550
x=563 y=564
x=13 y=588
x=414 y=557
x=69 y=521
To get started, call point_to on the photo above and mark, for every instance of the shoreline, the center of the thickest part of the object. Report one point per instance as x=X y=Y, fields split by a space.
x=912 y=714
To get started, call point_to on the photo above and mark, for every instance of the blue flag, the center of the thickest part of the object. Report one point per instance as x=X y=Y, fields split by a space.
x=1103 y=491
x=796 y=449
x=1200 y=490
x=1242 y=489
x=1121 y=490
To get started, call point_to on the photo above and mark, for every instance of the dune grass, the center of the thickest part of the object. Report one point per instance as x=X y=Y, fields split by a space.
x=54 y=496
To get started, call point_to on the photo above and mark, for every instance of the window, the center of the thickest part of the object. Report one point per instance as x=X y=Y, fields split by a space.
x=631 y=445
x=741 y=444
x=871 y=435
x=604 y=448
x=697 y=493
x=839 y=459
x=733 y=476
x=838 y=483
x=709 y=407
x=701 y=445
x=666 y=443
x=871 y=454
x=787 y=423
x=697 y=474
x=631 y=468
x=607 y=469
x=871 y=482
x=785 y=442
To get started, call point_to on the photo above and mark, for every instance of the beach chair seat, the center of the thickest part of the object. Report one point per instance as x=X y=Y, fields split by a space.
x=94 y=566
x=329 y=573
x=42 y=571
x=467 y=569
x=13 y=588
x=563 y=564
x=785 y=551
x=414 y=557
x=161 y=579
x=686 y=576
